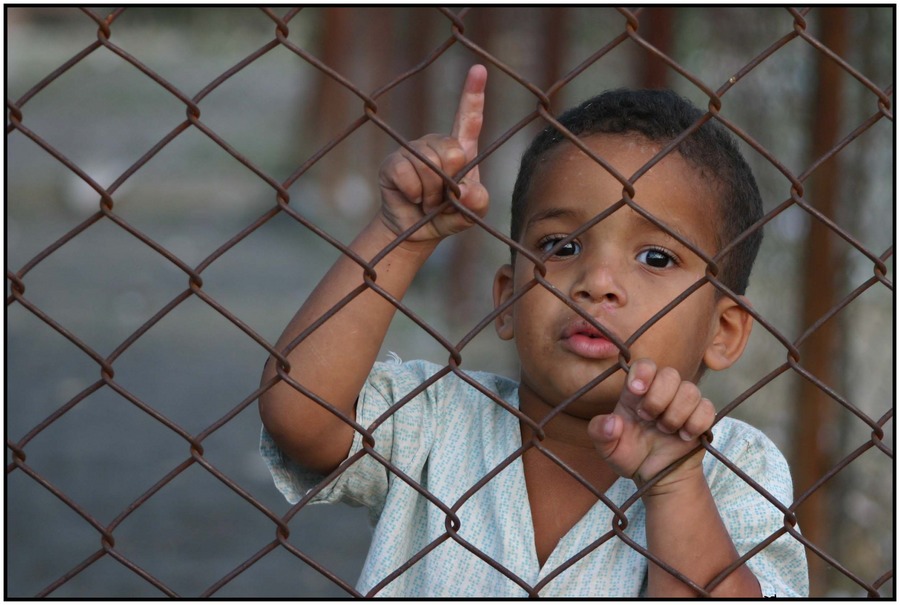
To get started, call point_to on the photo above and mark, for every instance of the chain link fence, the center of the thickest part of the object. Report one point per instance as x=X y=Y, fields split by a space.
x=180 y=179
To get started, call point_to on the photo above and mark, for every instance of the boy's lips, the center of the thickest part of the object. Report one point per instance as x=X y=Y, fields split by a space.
x=583 y=339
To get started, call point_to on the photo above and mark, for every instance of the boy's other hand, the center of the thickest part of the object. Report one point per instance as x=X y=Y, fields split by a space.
x=658 y=419
x=410 y=188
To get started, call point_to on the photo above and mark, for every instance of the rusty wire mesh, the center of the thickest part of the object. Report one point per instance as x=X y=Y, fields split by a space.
x=145 y=481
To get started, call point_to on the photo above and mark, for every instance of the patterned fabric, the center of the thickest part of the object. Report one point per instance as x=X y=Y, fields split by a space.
x=451 y=435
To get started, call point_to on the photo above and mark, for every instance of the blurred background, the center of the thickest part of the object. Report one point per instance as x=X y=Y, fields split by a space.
x=82 y=518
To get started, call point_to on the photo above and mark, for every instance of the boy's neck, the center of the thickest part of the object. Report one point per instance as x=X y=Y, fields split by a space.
x=563 y=433
x=553 y=493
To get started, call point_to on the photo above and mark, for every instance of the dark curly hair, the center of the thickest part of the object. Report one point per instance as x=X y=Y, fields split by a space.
x=660 y=116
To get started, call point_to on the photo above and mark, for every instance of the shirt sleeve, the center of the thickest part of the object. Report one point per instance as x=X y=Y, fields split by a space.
x=750 y=517
x=401 y=438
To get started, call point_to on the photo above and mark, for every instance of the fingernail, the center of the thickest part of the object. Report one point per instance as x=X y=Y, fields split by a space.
x=608 y=426
x=685 y=435
x=643 y=415
x=638 y=385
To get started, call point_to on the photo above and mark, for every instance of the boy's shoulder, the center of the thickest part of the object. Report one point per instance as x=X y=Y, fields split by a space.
x=748 y=449
x=733 y=433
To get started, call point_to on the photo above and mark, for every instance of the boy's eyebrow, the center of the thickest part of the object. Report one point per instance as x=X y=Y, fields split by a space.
x=667 y=229
x=551 y=213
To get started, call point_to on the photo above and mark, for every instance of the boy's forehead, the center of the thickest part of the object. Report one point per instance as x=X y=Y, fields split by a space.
x=630 y=155
x=671 y=181
x=626 y=153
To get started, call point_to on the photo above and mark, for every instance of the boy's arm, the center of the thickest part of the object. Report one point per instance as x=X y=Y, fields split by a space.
x=685 y=530
x=334 y=360
x=658 y=420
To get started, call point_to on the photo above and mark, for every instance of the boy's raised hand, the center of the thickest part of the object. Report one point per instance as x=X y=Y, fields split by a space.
x=410 y=188
x=658 y=420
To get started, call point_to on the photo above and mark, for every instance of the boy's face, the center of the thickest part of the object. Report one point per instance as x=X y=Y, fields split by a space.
x=621 y=271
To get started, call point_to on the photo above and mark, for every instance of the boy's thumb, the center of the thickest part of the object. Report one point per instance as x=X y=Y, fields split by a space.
x=474 y=196
x=605 y=431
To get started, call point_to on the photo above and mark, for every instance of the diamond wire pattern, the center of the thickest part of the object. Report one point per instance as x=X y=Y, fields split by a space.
x=456 y=35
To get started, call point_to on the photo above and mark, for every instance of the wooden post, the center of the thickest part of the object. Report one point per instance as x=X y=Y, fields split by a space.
x=656 y=28
x=331 y=105
x=554 y=34
x=821 y=270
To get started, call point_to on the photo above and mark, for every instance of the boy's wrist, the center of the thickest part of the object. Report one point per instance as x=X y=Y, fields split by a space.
x=415 y=250
x=686 y=479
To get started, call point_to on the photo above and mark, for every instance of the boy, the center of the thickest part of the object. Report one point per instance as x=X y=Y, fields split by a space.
x=581 y=430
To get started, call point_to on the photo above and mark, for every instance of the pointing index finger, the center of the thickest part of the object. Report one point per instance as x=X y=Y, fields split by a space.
x=470 y=113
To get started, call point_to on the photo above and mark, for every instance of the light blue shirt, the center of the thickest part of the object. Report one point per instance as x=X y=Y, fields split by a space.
x=449 y=436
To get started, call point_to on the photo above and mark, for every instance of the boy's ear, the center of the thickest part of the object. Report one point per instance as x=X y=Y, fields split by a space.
x=503 y=289
x=731 y=332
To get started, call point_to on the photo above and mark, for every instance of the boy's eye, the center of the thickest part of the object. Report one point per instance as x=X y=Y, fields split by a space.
x=568 y=249
x=658 y=259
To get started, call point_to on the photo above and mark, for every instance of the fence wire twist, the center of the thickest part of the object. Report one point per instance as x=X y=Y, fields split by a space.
x=880 y=109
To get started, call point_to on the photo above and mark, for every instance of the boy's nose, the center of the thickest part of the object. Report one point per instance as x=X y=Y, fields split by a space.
x=598 y=282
